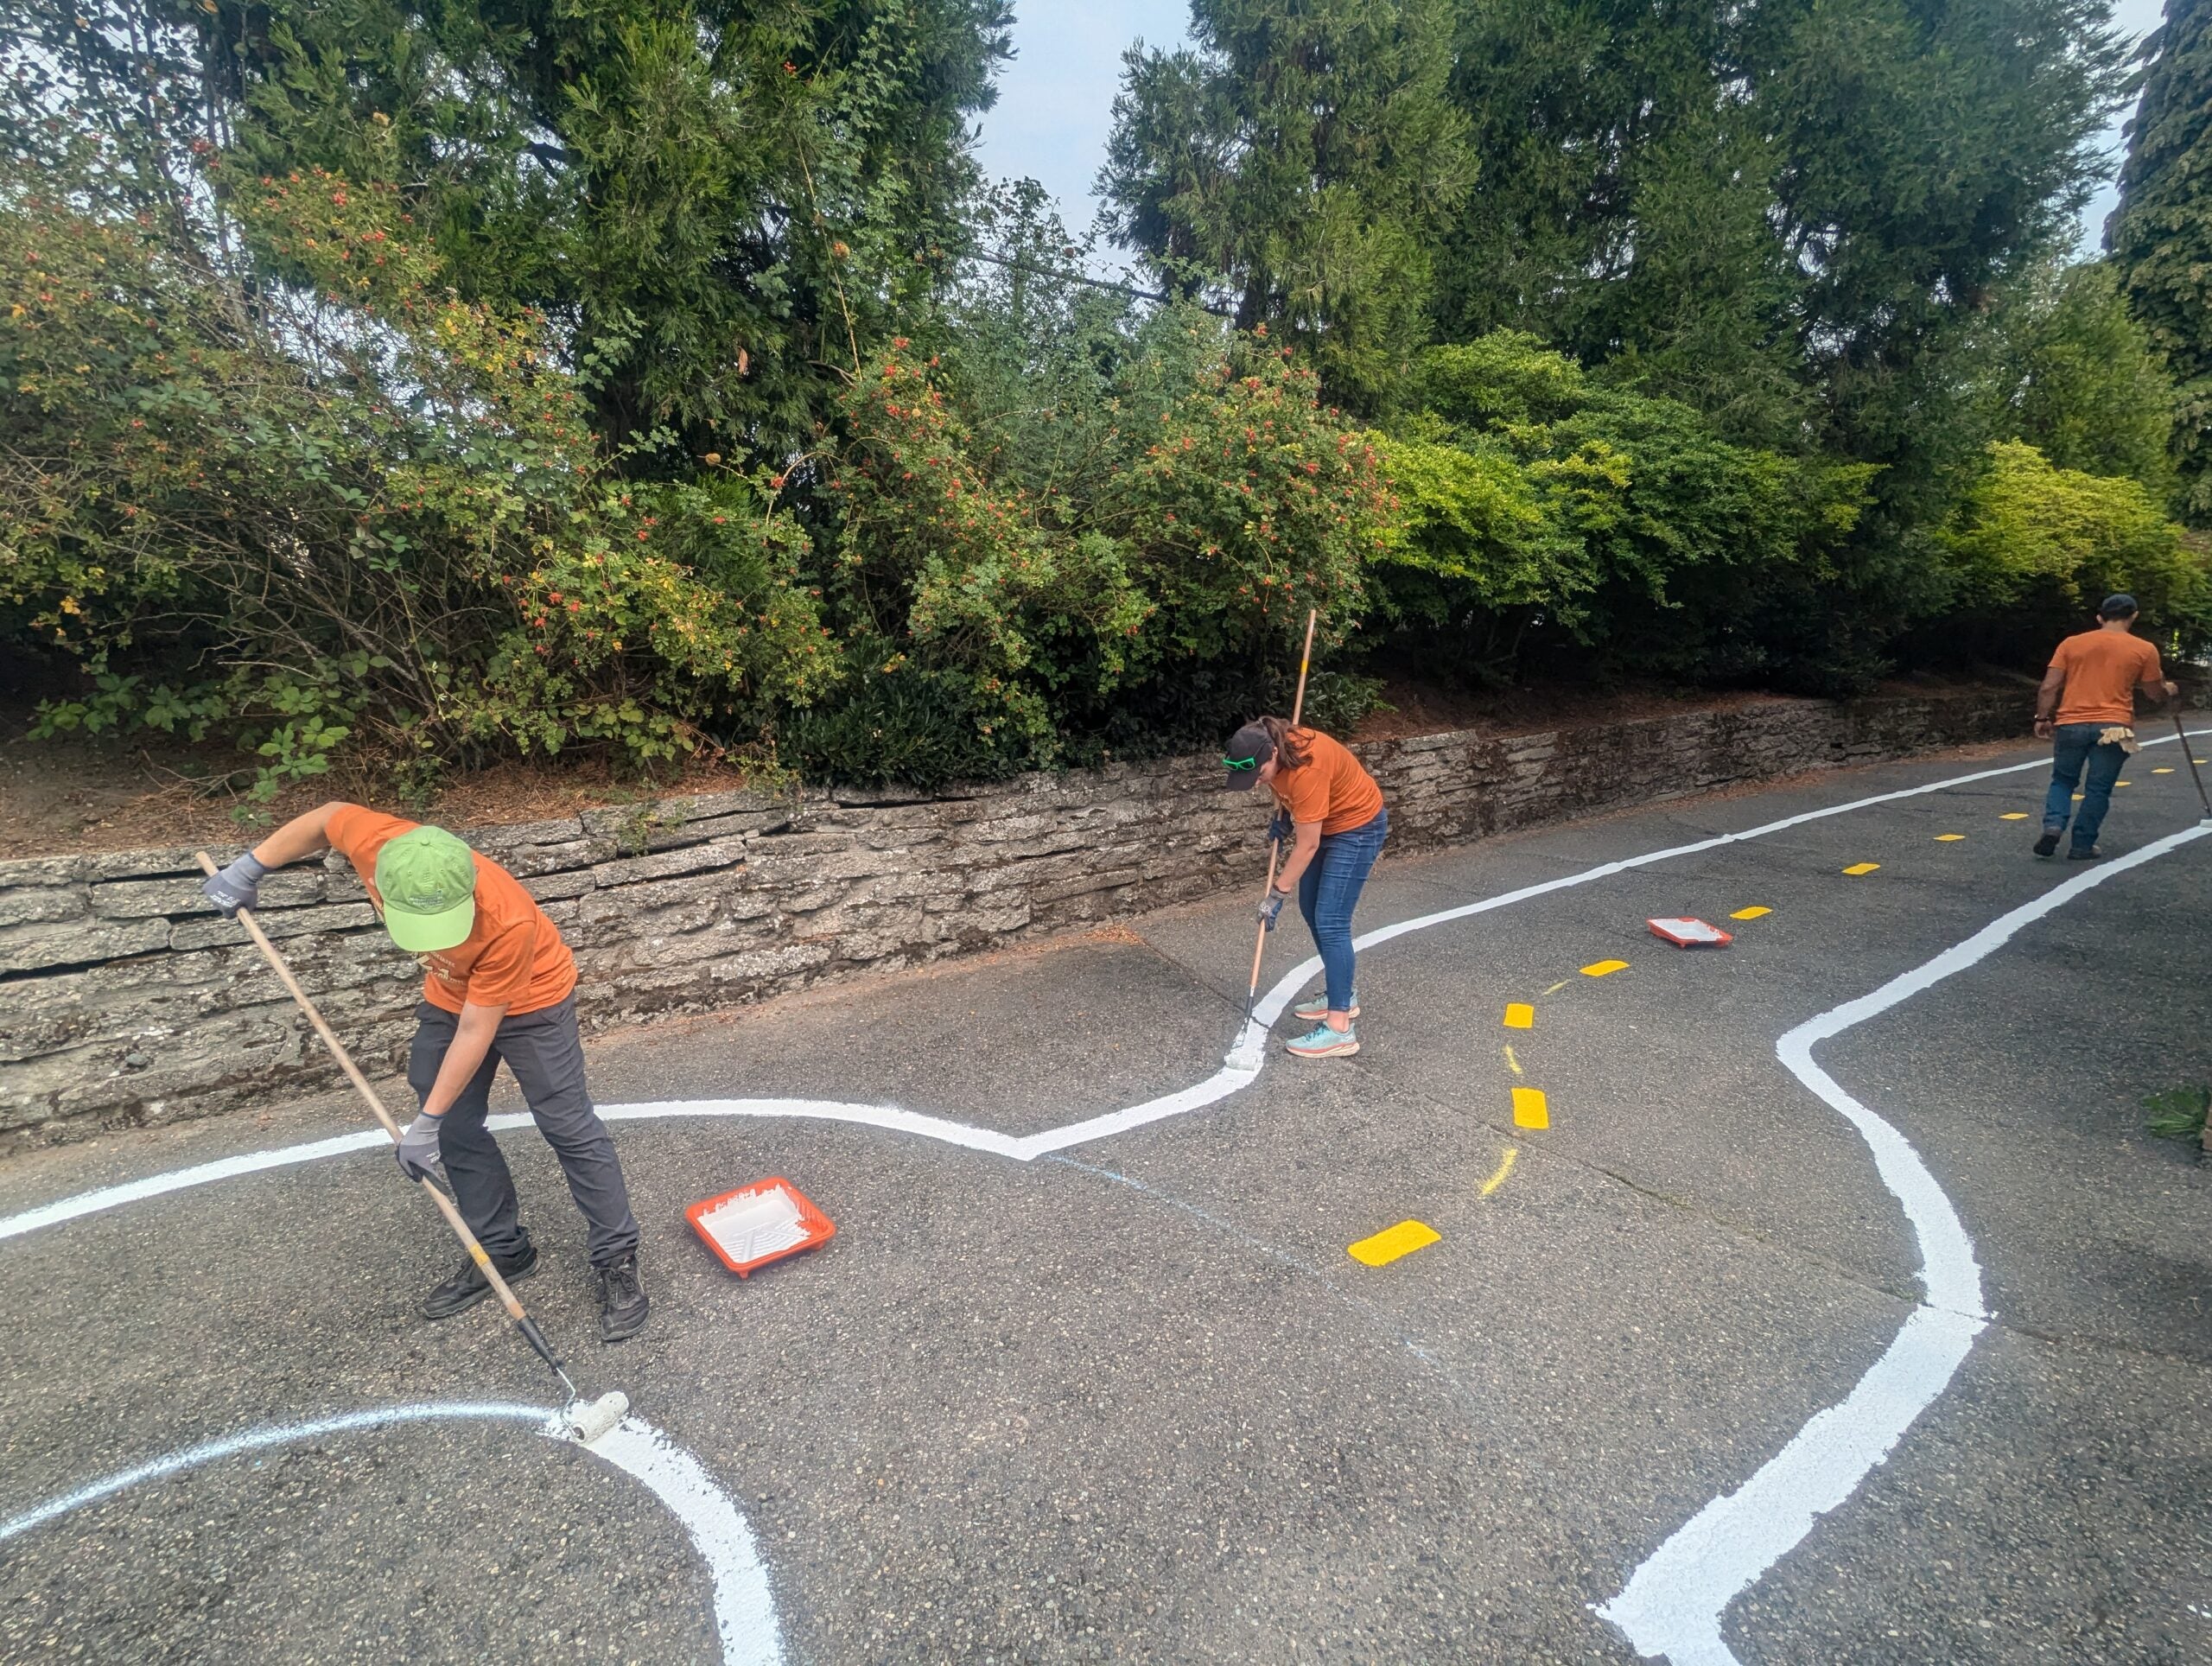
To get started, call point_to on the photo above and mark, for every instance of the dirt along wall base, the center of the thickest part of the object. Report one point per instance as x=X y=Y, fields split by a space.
x=125 y=1002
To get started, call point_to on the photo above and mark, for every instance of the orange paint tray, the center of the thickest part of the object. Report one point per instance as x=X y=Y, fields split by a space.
x=758 y=1223
x=1685 y=932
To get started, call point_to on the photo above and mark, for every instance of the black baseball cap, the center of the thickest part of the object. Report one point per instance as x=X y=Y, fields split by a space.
x=1249 y=748
x=2118 y=604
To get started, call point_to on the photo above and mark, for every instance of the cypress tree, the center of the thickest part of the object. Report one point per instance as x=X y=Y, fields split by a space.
x=2161 y=234
x=1302 y=159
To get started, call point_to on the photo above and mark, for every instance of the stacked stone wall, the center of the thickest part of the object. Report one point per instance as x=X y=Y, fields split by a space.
x=123 y=1000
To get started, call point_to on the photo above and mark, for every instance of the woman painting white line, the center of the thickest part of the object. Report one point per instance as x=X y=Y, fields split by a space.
x=1330 y=813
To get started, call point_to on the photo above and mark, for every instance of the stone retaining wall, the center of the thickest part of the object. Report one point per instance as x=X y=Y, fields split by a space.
x=123 y=1000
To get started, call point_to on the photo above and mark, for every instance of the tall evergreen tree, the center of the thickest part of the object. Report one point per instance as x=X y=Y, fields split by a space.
x=2161 y=235
x=1623 y=200
x=1302 y=158
x=717 y=200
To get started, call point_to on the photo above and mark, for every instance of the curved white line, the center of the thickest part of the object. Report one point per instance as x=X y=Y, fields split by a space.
x=1673 y=1604
x=745 y=1608
x=1021 y=1148
x=1735 y=1537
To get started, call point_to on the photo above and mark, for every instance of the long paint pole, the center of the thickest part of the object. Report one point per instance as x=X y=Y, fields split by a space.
x=2183 y=735
x=1275 y=846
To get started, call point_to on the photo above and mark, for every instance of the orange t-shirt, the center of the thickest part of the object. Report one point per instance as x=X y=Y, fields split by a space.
x=512 y=957
x=1331 y=787
x=2103 y=670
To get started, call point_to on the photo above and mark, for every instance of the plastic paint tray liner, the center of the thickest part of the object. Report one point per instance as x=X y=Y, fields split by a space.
x=1687 y=933
x=758 y=1223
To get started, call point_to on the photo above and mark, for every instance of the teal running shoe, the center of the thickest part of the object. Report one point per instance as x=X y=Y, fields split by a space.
x=1313 y=1011
x=1322 y=1042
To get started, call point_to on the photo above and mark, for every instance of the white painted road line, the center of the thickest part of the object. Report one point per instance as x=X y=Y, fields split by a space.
x=1701 y=1568
x=1026 y=1148
x=1673 y=1604
x=745 y=1608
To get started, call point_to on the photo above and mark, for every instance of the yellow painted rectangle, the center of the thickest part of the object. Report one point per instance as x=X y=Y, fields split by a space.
x=2162 y=770
x=1393 y=1242
x=1862 y=867
x=2123 y=783
x=2014 y=816
x=1604 y=968
x=1949 y=838
x=1520 y=1015
x=1530 y=1109
x=1752 y=913
x=2077 y=797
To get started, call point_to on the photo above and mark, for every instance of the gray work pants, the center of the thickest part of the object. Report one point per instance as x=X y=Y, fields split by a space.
x=546 y=1057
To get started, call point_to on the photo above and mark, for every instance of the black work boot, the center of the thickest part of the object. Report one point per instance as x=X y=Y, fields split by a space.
x=2049 y=842
x=2084 y=853
x=468 y=1286
x=622 y=1304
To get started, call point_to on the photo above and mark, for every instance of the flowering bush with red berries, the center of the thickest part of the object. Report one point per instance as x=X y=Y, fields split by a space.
x=311 y=497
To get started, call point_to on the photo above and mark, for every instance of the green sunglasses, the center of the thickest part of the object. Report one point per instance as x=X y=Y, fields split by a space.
x=1242 y=763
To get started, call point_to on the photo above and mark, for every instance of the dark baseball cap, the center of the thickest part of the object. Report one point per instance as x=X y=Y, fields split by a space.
x=1249 y=748
x=2118 y=604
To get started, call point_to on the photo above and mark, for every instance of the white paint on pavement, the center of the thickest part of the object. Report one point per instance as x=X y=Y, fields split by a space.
x=745 y=1608
x=1673 y=1604
x=1021 y=1148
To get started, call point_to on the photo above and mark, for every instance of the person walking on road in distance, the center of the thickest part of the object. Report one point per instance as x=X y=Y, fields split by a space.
x=498 y=984
x=2085 y=710
x=1331 y=818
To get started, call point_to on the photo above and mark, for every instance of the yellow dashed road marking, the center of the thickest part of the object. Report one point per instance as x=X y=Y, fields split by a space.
x=1862 y=867
x=1604 y=968
x=2077 y=797
x=1511 y=1063
x=2164 y=770
x=1949 y=838
x=1530 y=1109
x=1520 y=1015
x=2123 y=783
x=2014 y=816
x=1503 y=1169
x=1752 y=913
x=1393 y=1242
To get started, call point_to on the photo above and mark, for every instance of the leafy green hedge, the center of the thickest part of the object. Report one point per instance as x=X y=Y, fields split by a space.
x=307 y=498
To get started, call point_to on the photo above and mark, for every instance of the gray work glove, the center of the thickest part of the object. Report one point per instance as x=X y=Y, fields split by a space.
x=417 y=1150
x=237 y=887
x=1271 y=910
x=1281 y=829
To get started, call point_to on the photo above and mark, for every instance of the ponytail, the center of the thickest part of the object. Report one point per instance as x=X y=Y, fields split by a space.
x=1289 y=755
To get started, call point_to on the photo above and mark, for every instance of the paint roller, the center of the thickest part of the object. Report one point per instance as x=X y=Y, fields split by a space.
x=581 y=1419
x=1246 y=1055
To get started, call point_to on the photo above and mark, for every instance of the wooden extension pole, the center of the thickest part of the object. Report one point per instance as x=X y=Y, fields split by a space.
x=1275 y=846
x=523 y=1321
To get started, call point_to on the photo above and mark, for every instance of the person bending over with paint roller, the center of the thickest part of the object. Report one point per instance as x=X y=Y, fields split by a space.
x=499 y=983
x=1330 y=819
x=2085 y=710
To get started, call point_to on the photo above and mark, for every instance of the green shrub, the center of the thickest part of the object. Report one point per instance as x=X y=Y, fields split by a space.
x=2033 y=550
x=1539 y=505
x=355 y=509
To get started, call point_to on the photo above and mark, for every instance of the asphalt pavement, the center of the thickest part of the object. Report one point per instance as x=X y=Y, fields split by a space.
x=1135 y=1398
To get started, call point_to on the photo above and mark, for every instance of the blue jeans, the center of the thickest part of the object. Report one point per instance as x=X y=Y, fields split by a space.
x=2072 y=746
x=1329 y=890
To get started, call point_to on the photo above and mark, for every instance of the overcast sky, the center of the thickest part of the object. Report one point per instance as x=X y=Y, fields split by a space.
x=1056 y=98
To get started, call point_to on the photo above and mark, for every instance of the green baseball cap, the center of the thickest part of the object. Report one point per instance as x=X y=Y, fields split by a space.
x=428 y=881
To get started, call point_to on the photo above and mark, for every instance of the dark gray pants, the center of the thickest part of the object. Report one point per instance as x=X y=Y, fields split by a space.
x=546 y=1057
